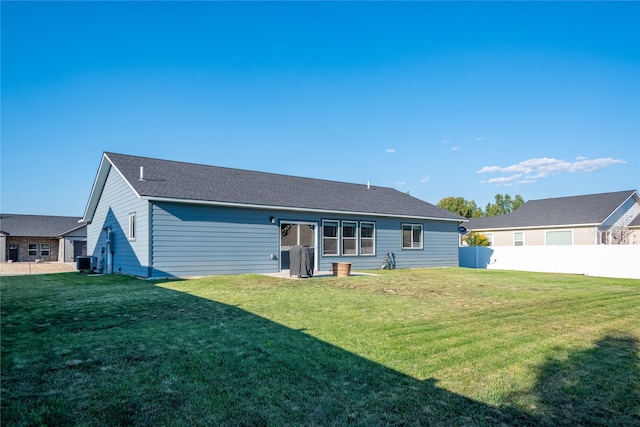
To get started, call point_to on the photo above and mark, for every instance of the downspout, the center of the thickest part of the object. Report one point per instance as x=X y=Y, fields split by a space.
x=107 y=255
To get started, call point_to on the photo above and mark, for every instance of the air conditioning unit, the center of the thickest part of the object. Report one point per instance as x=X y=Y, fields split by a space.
x=86 y=264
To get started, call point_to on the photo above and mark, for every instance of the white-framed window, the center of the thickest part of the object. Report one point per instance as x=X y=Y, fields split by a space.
x=367 y=238
x=411 y=236
x=45 y=249
x=489 y=237
x=33 y=249
x=132 y=226
x=330 y=238
x=349 y=238
x=518 y=238
x=559 y=237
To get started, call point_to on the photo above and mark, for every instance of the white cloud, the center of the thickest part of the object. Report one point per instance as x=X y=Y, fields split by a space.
x=489 y=169
x=425 y=179
x=401 y=183
x=454 y=148
x=529 y=170
x=390 y=150
x=505 y=179
x=478 y=139
x=586 y=165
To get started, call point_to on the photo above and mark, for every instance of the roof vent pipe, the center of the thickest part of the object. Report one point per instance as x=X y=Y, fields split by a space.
x=368 y=185
x=141 y=173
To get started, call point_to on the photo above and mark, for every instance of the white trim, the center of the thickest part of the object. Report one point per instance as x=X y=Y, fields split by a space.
x=489 y=239
x=101 y=179
x=290 y=209
x=537 y=227
x=374 y=238
x=132 y=226
x=514 y=237
x=355 y=238
x=123 y=177
x=402 y=247
x=634 y=193
x=316 y=247
x=337 y=238
x=556 y=231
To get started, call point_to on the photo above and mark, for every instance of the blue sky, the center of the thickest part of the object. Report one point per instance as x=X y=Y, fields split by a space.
x=438 y=99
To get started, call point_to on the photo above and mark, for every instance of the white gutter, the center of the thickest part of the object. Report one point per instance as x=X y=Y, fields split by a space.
x=288 y=208
x=595 y=224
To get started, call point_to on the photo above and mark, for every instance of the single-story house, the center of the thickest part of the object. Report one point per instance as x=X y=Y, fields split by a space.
x=41 y=238
x=159 y=218
x=593 y=219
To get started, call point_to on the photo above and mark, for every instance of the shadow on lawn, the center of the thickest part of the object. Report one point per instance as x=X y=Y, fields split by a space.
x=595 y=387
x=237 y=368
x=178 y=359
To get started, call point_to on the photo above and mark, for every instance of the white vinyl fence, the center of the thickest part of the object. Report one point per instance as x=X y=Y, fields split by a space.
x=621 y=261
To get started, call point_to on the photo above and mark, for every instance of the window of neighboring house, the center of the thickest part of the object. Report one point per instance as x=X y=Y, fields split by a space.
x=330 y=241
x=559 y=237
x=411 y=236
x=132 y=226
x=489 y=237
x=33 y=249
x=367 y=238
x=349 y=238
x=518 y=238
x=45 y=249
x=604 y=238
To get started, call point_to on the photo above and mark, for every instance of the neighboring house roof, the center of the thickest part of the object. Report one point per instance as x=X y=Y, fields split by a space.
x=195 y=183
x=18 y=225
x=635 y=222
x=591 y=209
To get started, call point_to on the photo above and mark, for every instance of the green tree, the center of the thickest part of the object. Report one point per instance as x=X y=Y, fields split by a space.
x=461 y=206
x=475 y=239
x=503 y=205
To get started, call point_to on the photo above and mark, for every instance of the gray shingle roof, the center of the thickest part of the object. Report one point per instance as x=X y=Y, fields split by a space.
x=574 y=210
x=19 y=225
x=195 y=182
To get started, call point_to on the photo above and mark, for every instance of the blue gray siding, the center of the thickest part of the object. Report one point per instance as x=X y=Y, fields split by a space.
x=196 y=240
x=117 y=201
x=193 y=240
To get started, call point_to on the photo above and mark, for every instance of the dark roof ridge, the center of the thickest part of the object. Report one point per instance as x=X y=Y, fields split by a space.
x=284 y=175
x=629 y=192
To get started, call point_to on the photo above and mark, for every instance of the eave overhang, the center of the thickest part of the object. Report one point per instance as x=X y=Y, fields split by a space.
x=295 y=209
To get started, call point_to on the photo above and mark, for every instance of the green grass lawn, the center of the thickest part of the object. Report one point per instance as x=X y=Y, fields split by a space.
x=450 y=347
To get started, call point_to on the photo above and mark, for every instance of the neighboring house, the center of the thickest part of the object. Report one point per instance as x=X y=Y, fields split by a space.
x=593 y=219
x=41 y=238
x=158 y=218
x=634 y=231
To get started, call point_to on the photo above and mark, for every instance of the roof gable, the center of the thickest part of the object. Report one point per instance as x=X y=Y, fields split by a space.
x=196 y=183
x=19 y=225
x=591 y=209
